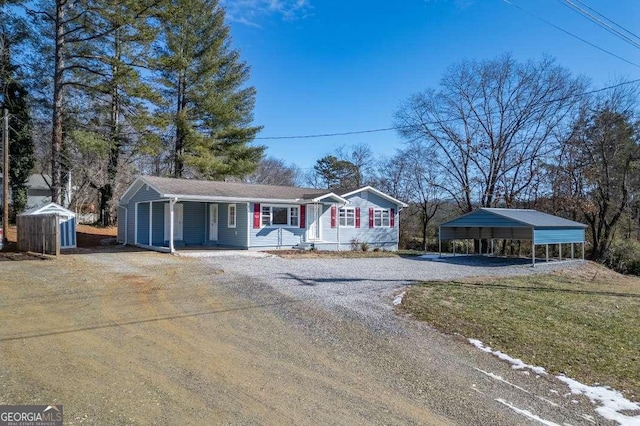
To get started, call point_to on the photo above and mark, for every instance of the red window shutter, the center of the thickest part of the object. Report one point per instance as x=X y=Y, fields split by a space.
x=256 y=215
x=357 y=217
x=303 y=216
x=333 y=216
x=370 y=217
x=392 y=218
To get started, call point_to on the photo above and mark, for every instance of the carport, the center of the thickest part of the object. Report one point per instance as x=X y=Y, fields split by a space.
x=515 y=224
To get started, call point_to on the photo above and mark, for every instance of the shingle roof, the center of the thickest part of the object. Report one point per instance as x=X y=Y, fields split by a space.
x=535 y=218
x=205 y=188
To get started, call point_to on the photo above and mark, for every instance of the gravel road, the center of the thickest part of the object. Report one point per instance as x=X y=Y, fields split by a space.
x=346 y=306
x=130 y=337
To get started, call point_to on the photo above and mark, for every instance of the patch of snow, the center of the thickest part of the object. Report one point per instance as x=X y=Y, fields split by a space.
x=398 y=299
x=499 y=378
x=516 y=363
x=611 y=401
x=527 y=413
x=548 y=402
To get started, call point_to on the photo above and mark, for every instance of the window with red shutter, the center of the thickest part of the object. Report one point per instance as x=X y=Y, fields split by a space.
x=370 y=217
x=303 y=216
x=392 y=219
x=333 y=216
x=357 y=217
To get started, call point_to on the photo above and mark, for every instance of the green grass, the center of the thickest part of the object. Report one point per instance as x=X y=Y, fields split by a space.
x=584 y=322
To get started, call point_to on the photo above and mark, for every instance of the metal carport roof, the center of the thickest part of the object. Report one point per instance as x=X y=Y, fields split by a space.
x=513 y=224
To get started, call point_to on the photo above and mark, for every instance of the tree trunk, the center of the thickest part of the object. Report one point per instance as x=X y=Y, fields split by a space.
x=180 y=132
x=106 y=194
x=58 y=104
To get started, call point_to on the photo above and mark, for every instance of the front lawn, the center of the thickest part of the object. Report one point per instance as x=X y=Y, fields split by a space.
x=583 y=322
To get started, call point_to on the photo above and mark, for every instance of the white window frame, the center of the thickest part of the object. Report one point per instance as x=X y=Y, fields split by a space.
x=270 y=223
x=379 y=218
x=343 y=217
x=232 y=218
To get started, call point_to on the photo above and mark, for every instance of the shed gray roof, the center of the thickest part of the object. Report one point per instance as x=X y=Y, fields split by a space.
x=527 y=217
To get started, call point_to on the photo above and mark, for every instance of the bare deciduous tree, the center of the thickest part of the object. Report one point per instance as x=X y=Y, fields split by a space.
x=273 y=171
x=490 y=124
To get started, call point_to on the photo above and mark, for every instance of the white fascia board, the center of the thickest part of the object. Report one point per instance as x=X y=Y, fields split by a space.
x=220 y=199
x=378 y=193
x=332 y=195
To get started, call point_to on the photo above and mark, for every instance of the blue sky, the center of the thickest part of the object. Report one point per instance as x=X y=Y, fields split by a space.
x=338 y=66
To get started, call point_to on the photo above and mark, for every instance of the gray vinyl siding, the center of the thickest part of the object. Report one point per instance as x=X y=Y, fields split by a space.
x=157 y=233
x=143 y=194
x=122 y=224
x=194 y=222
x=143 y=223
x=232 y=237
x=385 y=237
x=273 y=236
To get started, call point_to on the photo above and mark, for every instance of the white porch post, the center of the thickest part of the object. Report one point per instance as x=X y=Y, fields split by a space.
x=150 y=223
x=338 y=224
x=560 y=251
x=172 y=202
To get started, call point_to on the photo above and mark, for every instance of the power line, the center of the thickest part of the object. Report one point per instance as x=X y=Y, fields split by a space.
x=388 y=129
x=599 y=22
x=327 y=135
x=607 y=19
x=571 y=34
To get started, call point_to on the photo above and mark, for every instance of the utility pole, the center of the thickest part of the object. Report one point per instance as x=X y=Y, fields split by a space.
x=5 y=174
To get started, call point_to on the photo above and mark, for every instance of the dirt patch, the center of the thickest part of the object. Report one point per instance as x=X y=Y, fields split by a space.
x=148 y=338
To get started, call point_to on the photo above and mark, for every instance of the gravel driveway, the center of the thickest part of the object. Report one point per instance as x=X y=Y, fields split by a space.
x=347 y=305
x=364 y=286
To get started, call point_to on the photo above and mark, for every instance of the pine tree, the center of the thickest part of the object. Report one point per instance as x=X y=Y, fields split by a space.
x=21 y=155
x=204 y=83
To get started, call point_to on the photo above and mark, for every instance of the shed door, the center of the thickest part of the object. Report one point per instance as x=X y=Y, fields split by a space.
x=213 y=222
x=177 y=222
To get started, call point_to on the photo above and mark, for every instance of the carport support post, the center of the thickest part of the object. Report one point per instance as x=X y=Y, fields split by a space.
x=440 y=241
x=571 y=251
x=533 y=253
x=172 y=202
x=560 y=251
x=546 y=247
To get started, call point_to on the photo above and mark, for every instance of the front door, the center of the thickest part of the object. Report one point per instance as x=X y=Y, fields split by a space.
x=177 y=222
x=314 y=212
x=213 y=222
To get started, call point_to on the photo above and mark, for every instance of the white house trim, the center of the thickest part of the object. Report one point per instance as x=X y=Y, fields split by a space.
x=378 y=193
